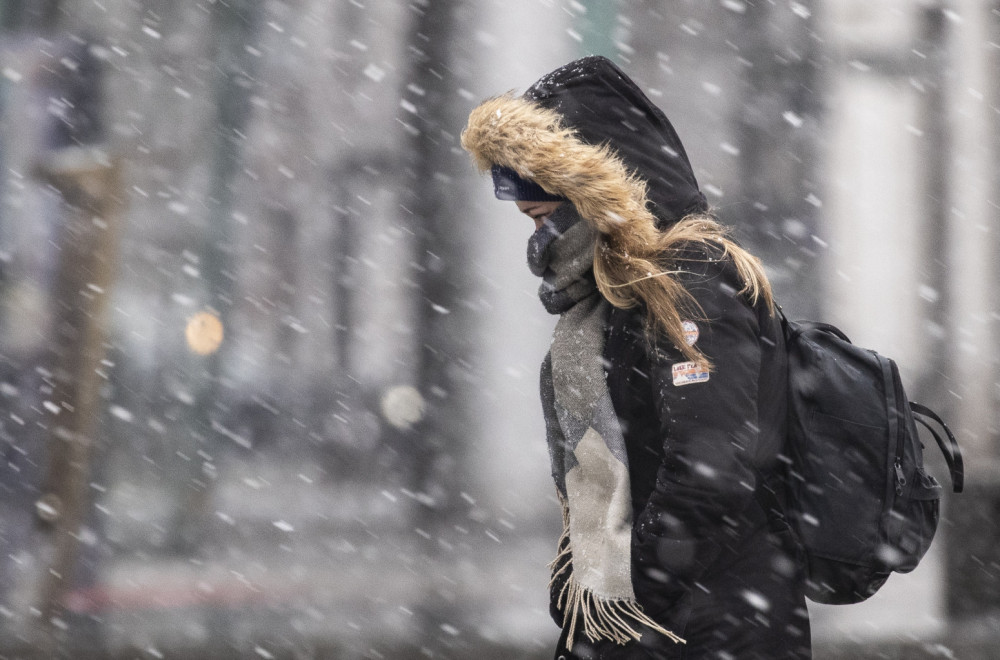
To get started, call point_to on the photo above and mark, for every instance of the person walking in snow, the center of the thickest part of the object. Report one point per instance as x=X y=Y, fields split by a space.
x=664 y=389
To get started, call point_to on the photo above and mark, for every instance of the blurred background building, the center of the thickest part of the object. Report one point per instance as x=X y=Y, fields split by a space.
x=269 y=347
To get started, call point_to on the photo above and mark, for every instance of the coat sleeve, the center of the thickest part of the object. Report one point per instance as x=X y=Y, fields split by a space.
x=710 y=434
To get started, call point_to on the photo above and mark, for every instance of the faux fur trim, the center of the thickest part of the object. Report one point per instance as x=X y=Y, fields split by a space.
x=519 y=134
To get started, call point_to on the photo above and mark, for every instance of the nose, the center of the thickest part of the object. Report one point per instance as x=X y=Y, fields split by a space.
x=537 y=211
x=527 y=208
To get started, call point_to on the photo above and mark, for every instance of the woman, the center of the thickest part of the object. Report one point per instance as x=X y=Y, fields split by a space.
x=664 y=390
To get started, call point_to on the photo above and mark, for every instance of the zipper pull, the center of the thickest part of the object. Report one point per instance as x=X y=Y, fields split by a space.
x=900 y=477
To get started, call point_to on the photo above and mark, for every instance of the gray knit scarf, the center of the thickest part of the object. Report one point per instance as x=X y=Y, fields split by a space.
x=586 y=446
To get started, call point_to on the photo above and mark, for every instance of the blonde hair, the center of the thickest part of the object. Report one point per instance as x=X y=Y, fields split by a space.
x=639 y=266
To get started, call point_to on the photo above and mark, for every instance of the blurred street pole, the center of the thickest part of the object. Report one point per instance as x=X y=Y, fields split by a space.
x=935 y=234
x=88 y=181
x=90 y=185
x=235 y=28
x=777 y=127
x=438 y=207
x=597 y=26
x=967 y=318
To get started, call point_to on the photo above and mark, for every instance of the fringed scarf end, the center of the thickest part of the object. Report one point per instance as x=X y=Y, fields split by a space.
x=599 y=618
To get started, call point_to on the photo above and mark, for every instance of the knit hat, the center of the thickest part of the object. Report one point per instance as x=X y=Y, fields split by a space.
x=508 y=185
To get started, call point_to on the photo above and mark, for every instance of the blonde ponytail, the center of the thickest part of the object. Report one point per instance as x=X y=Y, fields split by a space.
x=640 y=266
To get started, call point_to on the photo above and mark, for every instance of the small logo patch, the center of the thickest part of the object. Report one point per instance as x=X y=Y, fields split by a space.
x=686 y=373
x=690 y=332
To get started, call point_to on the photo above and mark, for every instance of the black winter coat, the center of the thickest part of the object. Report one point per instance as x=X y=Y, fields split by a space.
x=706 y=564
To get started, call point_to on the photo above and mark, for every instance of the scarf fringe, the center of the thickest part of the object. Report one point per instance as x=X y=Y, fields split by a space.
x=598 y=617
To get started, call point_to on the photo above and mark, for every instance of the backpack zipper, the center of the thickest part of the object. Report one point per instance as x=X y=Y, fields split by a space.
x=897 y=417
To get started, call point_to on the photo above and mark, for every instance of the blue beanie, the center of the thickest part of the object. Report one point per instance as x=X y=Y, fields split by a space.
x=507 y=185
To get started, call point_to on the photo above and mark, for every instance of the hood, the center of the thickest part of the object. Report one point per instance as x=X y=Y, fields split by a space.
x=587 y=132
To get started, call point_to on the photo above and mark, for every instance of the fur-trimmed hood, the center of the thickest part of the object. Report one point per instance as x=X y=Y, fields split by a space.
x=586 y=132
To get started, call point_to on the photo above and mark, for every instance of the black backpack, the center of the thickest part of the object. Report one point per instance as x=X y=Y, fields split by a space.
x=853 y=487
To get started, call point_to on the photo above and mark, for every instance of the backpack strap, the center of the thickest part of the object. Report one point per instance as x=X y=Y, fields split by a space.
x=951 y=451
x=795 y=329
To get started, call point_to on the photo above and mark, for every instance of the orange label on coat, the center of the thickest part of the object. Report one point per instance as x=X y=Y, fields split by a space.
x=686 y=373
